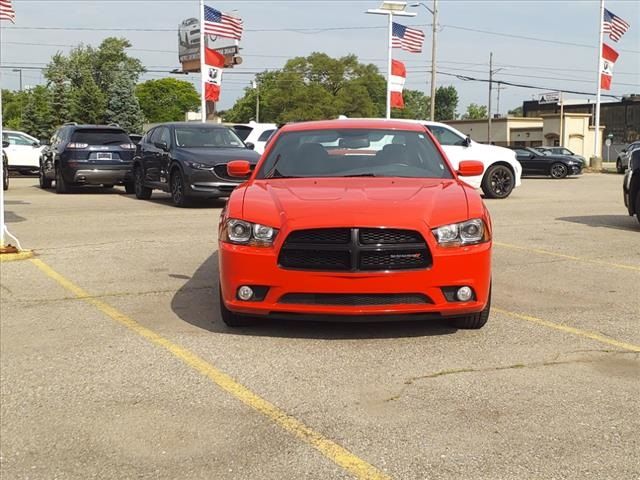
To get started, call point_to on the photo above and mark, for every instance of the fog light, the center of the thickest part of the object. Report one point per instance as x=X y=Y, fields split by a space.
x=464 y=294
x=245 y=293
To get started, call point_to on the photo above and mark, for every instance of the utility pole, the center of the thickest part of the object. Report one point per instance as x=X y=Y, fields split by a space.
x=19 y=70
x=255 y=85
x=490 y=91
x=433 y=61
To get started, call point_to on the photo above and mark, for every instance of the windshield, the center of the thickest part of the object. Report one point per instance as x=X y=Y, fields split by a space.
x=203 y=136
x=353 y=153
x=97 y=136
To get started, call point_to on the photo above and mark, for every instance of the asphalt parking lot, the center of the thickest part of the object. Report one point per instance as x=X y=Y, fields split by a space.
x=116 y=365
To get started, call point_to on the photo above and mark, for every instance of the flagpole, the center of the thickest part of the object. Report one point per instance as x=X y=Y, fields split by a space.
x=2 y=227
x=596 y=161
x=203 y=98
x=390 y=46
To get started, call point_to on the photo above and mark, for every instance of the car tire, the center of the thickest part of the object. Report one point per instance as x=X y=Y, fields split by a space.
x=498 y=182
x=619 y=167
x=476 y=320
x=43 y=181
x=5 y=179
x=61 y=185
x=558 y=170
x=142 y=192
x=129 y=188
x=178 y=189
x=229 y=318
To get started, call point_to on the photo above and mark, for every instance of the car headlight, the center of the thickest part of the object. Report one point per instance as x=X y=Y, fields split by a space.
x=247 y=233
x=464 y=233
x=199 y=166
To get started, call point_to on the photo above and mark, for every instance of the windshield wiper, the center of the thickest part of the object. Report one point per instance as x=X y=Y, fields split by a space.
x=360 y=175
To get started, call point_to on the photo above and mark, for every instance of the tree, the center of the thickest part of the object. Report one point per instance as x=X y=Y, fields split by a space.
x=446 y=103
x=167 y=99
x=314 y=87
x=123 y=107
x=516 y=112
x=37 y=118
x=475 y=112
x=87 y=102
x=13 y=105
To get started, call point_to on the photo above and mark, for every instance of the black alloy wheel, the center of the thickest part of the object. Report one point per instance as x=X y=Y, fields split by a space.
x=43 y=180
x=558 y=170
x=178 y=189
x=142 y=192
x=498 y=182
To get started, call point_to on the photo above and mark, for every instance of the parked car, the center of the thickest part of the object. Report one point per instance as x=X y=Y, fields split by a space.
x=255 y=134
x=135 y=138
x=87 y=155
x=336 y=224
x=188 y=160
x=23 y=152
x=631 y=185
x=563 y=151
x=622 y=162
x=556 y=166
x=5 y=168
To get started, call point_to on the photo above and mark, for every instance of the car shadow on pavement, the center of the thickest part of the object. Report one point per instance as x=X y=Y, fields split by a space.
x=617 y=222
x=197 y=303
x=165 y=199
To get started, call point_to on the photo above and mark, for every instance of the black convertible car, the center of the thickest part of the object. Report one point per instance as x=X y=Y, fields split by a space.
x=188 y=160
x=556 y=166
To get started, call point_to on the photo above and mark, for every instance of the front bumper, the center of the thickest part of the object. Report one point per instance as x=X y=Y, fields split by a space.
x=206 y=184
x=243 y=265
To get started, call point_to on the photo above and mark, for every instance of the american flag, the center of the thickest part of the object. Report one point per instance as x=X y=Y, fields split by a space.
x=6 y=11
x=614 y=26
x=409 y=39
x=221 y=24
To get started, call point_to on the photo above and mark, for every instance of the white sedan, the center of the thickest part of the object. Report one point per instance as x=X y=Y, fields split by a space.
x=23 y=152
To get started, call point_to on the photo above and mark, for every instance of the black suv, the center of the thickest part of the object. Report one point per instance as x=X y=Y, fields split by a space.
x=87 y=155
x=188 y=160
x=631 y=185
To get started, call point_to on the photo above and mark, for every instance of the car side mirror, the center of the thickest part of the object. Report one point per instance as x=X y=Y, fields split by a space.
x=531 y=156
x=35 y=144
x=250 y=145
x=239 y=168
x=162 y=146
x=467 y=142
x=5 y=144
x=470 y=168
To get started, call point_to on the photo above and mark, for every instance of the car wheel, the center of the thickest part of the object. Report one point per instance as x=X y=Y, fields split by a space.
x=558 y=170
x=619 y=167
x=5 y=179
x=129 y=188
x=229 y=318
x=61 y=185
x=475 y=321
x=498 y=182
x=178 y=189
x=142 y=192
x=43 y=180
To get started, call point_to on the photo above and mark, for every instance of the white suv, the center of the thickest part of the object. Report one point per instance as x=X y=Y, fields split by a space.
x=23 y=152
x=257 y=134
x=502 y=172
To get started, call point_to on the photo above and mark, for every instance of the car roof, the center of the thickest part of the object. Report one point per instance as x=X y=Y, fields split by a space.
x=378 y=124
x=185 y=124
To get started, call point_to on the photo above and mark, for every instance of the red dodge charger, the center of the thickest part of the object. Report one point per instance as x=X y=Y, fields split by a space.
x=356 y=220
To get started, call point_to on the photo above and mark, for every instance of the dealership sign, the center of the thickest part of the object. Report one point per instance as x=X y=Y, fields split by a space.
x=550 y=97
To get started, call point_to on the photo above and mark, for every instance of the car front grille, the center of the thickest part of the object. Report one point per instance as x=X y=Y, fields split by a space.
x=355 y=249
x=355 y=299
x=221 y=171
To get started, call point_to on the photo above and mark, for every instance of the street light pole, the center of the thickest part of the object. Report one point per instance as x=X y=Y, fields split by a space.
x=434 y=32
x=390 y=8
x=490 y=88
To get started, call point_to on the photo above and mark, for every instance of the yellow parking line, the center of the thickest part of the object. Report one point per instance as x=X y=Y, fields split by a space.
x=336 y=453
x=572 y=330
x=13 y=257
x=568 y=257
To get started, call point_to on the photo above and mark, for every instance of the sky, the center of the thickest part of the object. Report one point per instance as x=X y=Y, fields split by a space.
x=561 y=52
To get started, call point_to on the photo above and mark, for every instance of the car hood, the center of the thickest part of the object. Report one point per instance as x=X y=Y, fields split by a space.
x=331 y=202
x=213 y=156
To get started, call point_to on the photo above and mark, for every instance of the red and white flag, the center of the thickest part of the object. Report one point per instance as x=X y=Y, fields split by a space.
x=212 y=76
x=398 y=77
x=6 y=11
x=609 y=57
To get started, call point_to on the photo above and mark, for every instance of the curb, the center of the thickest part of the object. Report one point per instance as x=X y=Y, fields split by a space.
x=13 y=257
